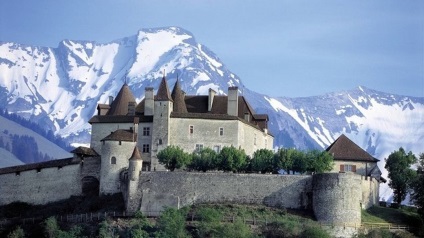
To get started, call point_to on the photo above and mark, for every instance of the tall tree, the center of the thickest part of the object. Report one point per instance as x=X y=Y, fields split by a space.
x=398 y=164
x=417 y=195
x=283 y=159
x=204 y=160
x=262 y=161
x=319 y=161
x=232 y=159
x=173 y=157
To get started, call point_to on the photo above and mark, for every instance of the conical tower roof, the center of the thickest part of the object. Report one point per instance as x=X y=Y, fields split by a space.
x=345 y=149
x=119 y=106
x=178 y=97
x=136 y=154
x=163 y=91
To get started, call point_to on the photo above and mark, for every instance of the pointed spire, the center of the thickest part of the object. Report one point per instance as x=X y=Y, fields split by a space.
x=179 y=98
x=136 y=154
x=163 y=91
x=119 y=106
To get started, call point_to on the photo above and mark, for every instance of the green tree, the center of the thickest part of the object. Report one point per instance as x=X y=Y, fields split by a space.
x=319 y=161
x=210 y=222
x=300 y=161
x=204 y=160
x=18 y=232
x=232 y=159
x=283 y=159
x=417 y=196
x=171 y=224
x=173 y=157
x=262 y=161
x=398 y=164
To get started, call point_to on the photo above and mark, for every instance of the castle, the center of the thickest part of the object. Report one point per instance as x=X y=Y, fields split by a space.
x=126 y=138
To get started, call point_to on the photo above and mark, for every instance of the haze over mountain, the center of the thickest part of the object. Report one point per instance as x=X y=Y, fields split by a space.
x=60 y=87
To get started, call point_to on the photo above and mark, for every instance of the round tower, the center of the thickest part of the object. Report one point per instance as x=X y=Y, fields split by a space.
x=135 y=165
x=337 y=198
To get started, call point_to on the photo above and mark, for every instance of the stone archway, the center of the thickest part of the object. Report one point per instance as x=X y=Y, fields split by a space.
x=90 y=186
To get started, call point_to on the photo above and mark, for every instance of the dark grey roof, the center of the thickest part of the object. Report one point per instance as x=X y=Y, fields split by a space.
x=345 y=149
x=163 y=91
x=121 y=135
x=41 y=165
x=119 y=105
x=178 y=98
x=81 y=150
x=119 y=119
x=136 y=154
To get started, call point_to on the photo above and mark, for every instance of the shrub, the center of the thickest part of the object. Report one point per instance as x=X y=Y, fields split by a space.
x=17 y=233
x=171 y=224
x=315 y=232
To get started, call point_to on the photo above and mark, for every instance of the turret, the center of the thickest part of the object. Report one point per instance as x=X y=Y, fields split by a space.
x=135 y=165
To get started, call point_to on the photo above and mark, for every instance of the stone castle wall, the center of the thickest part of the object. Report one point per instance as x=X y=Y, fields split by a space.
x=178 y=189
x=41 y=187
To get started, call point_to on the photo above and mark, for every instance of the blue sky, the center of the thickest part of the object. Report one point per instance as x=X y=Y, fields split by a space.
x=280 y=48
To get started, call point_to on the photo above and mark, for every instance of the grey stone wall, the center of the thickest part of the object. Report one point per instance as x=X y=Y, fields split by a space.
x=109 y=174
x=178 y=189
x=101 y=130
x=47 y=185
x=337 y=197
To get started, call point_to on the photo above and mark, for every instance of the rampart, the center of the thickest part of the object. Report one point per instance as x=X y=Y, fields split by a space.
x=178 y=189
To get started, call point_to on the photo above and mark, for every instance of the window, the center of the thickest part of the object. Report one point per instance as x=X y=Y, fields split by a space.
x=146 y=148
x=347 y=168
x=199 y=147
x=18 y=173
x=217 y=148
x=221 y=131
x=247 y=116
x=254 y=139
x=191 y=129
x=160 y=142
x=120 y=142
x=38 y=170
x=113 y=160
x=146 y=131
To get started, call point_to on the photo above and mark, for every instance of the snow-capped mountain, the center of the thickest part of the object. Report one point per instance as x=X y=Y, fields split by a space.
x=60 y=88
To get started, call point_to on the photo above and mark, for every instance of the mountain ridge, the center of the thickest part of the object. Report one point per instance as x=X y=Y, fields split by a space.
x=60 y=88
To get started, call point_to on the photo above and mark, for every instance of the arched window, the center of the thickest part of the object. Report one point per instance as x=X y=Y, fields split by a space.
x=113 y=160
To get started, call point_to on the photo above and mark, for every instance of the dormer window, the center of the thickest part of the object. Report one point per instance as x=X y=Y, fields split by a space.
x=247 y=116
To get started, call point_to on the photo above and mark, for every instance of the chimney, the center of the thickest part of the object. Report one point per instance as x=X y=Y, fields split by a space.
x=232 y=107
x=110 y=100
x=149 y=103
x=210 y=99
x=131 y=108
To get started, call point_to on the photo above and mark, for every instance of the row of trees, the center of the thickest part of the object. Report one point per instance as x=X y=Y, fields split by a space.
x=231 y=159
x=404 y=179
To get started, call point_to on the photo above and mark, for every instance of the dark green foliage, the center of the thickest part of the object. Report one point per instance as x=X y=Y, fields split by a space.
x=171 y=224
x=18 y=232
x=204 y=160
x=52 y=230
x=398 y=164
x=283 y=159
x=314 y=232
x=417 y=195
x=234 y=230
x=300 y=162
x=173 y=157
x=262 y=161
x=210 y=222
x=231 y=159
x=319 y=161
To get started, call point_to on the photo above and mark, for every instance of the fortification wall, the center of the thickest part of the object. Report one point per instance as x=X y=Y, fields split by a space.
x=40 y=187
x=370 y=192
x=178 y=189
x=337 y=197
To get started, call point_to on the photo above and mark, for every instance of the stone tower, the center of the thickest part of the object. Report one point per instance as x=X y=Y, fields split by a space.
x=161 y=122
